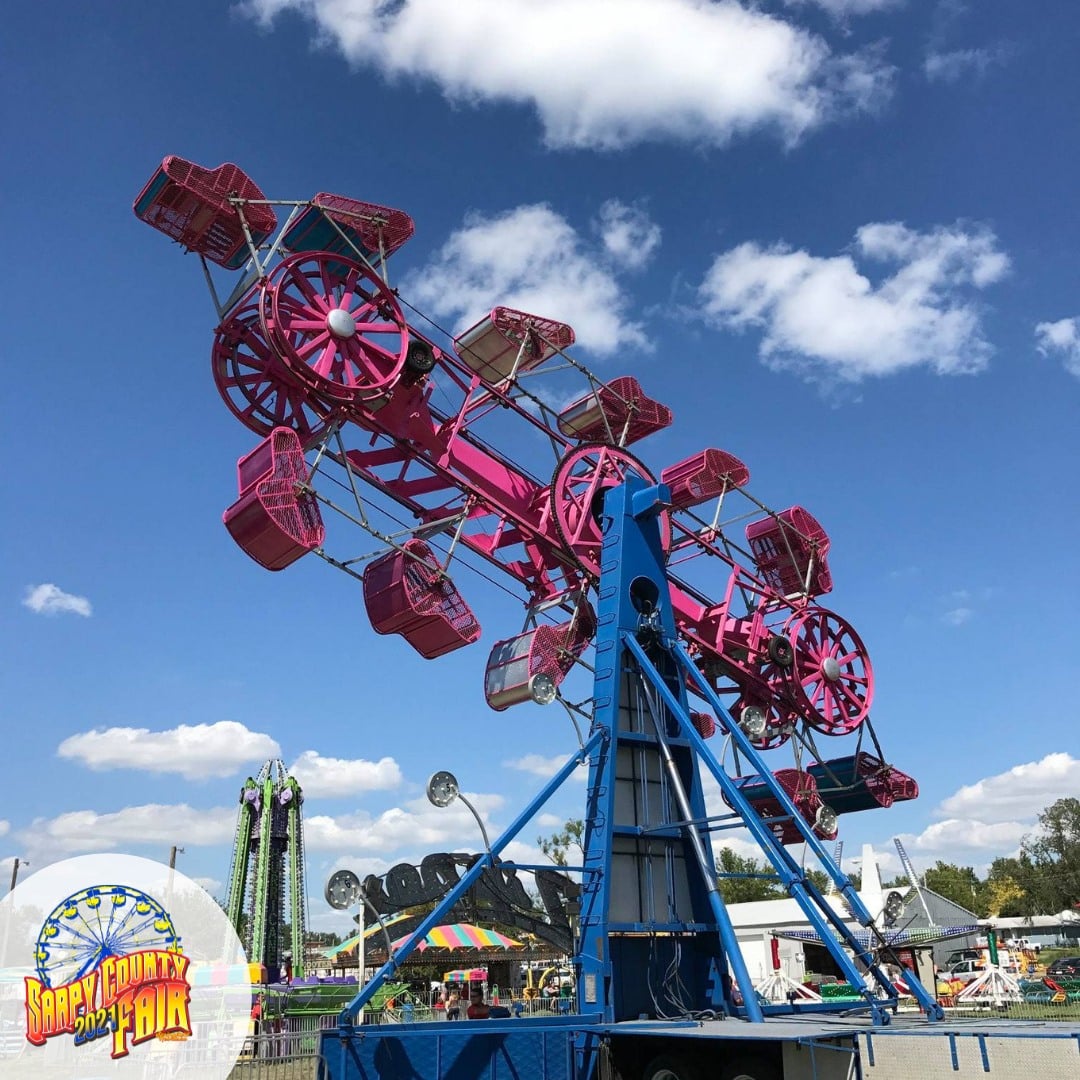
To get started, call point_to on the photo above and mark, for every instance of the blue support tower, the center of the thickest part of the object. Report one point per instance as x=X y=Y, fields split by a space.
x=656 y=940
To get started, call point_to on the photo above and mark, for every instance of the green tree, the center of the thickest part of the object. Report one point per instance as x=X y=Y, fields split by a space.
x=743 y=887
x=559 y=844
x=960 y=884
x=1054 y=856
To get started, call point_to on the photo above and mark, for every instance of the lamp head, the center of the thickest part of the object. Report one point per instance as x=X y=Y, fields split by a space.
x=894 y=907
x=825 y=820
x=442 y=789
x=343 y=890
x=542 y=689
x=753 y=720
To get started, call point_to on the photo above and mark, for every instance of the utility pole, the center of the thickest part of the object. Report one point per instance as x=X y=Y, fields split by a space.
x=15 y=871
x=174 y=851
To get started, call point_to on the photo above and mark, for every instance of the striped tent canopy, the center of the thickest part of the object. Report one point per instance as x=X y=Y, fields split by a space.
x=210 y=974
x=369 y=933
x=462 y=936
x=464 y=975
x=894 y=938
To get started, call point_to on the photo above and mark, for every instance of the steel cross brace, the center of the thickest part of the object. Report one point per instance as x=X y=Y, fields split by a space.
x=800 y=887
x=345 y=1020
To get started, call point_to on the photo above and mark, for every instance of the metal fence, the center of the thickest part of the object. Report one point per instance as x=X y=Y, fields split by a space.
x=282 y=1055
x=410 y=1012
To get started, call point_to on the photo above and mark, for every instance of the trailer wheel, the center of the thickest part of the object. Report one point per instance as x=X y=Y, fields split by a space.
x=671 y=1067
x=751 y=1068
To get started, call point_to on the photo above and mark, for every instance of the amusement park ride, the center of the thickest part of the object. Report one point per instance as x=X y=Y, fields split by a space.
x=692 y=606
x=266 y=882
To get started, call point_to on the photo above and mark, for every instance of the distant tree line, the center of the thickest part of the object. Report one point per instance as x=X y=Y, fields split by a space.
x=1042 y=879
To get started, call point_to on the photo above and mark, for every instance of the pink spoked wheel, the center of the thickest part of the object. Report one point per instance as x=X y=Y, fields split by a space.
x=833 y=680
x=577 y=498
x=335 y=325
x=257 y=387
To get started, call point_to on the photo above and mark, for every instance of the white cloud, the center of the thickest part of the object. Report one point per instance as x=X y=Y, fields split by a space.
x=5 y=828
x=609 y=73
x=991 y=817
x=324 y=777
x=1018 y=794
x=630 y=236
x=550 y=821
x=1061 y=338
x=821 y=314
x=955 y=64
x=417 y=825
x=532 y=259
x=957 y=616
x=840 y=8
x=133 y=826
x=195 y=751
x=546 y=767
x=52 y=600
x=211 y=885
x=968 y=834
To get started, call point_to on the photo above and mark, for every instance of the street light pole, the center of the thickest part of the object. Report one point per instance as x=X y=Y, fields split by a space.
x=360 y=952
x=15 y=871
x=174 y=851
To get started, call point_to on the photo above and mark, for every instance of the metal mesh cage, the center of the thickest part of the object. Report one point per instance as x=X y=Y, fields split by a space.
x=493 y=346
x=544 y=650
x=617 y=412
x=273 y=521
x=374 y=230
x=191 y=204
x=705 y=724
x=801 y=788
x=784 y=548
x=406 y=593
x=704 y=476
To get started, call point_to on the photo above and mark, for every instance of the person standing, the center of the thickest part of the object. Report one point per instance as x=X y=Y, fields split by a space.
x=453 y=1006
x=478 y=1007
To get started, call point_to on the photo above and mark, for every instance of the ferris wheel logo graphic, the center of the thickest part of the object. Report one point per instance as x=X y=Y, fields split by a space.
x=110 y=966
x=94 y=924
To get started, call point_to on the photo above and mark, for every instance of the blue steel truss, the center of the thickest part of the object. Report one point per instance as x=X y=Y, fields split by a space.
x=656 y=939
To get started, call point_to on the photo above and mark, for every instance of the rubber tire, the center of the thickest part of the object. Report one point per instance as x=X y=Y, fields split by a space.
x=780 y=651
x=751 y=1067
x=419 y=358
x=671 y=1067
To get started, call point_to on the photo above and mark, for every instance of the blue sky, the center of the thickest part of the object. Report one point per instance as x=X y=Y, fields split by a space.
x=837 y=237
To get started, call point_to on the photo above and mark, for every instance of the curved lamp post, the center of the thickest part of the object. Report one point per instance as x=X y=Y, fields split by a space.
x=443 y=789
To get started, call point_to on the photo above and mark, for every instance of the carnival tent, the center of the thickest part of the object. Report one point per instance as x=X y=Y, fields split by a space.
x=462 y=936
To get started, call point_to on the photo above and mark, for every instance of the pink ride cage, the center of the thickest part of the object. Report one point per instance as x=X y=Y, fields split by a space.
x=704 y=476
x=865 y=782
x=544 y=650
x=705 y=724
x=491 y=348
x=406 y=593
x=783 y=548
x=191 y=204
x=801 y=789
x=615 y=408
x=272 y=521
x=376 y=231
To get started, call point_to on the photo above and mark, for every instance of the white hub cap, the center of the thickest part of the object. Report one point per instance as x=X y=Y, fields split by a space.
x=830 y=668
x=340 y=323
